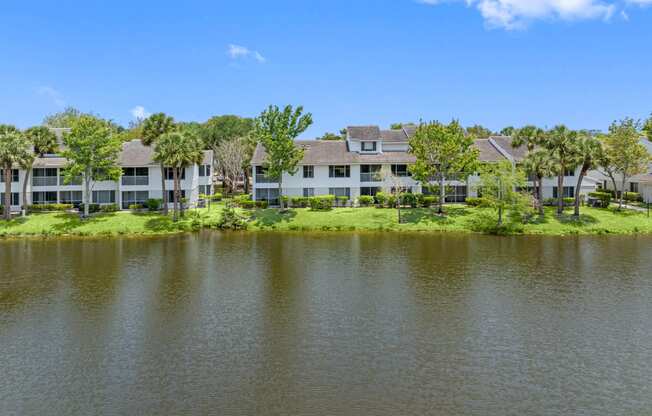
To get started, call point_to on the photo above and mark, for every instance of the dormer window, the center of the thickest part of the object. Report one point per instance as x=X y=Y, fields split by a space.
x=369 y=146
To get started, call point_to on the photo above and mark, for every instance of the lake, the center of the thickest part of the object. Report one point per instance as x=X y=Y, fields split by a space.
x=326 y=324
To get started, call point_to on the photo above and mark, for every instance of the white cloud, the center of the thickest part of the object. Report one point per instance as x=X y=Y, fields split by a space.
x=52 y=94
x=517 y=14
x=242 y=52
x=139 y=112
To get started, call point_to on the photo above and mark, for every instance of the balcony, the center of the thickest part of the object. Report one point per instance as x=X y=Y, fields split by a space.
x=370 y=177
x=75 y=181
x=135 y=180
x=261 y=178
x=44 y=181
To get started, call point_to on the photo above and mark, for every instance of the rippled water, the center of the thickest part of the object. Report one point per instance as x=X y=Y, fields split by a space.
x=326 y=324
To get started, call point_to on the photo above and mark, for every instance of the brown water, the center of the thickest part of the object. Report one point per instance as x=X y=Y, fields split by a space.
x=326 y=324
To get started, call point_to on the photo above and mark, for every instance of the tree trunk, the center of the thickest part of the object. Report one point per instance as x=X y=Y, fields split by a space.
x=181 y=198
x=28 y=172
x=560 y=191
x=577 y=192
x=398 y=207
x=87 y=192
x=622 y=193
x=540 y=191
x=280 y=194
x=175 y=198
x=246 y=181
x=164 y=194
x=500 y=215
x=7 y=201
x=442 y=194
x=613 y=182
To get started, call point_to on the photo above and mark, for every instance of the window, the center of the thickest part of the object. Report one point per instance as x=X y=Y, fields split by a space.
x=340 y=192
x=261 y=176
x=633 y=187
x=308 y=171
x=267 y=194
x=14 y=175
x=104 y=197
x=70 y=197
x=339 y=171
x=182 y=192
x=49 y=197
x=368 y=146
x=205 y=190
x=15 y=199
x=204 y=170
x=369 y=190
x=456 y=194
x=169 y=175
x=308 y=192
x=44 y=177
x=135 y=176
x=370 y=173
x=569 y=172
x=134 y=197
x=400 y=170
x=569 y=192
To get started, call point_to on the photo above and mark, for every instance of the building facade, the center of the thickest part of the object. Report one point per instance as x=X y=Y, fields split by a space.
x=360 y=165
x=140 y=181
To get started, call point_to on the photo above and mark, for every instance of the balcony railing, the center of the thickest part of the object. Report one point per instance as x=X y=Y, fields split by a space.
x=44 y=181
x=75 y=181
x=370 y=177
x=260 y=178
x=135 y=180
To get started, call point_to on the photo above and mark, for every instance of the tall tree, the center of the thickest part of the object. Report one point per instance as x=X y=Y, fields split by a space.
x=529 y=136
x=441 y=151
x=539 y=165
x=153 y=128
x=624 y=153
x=92 y=148
x=647 y=128
x=231 y=157
x=330 y=136
x=43 y=141
x=64 y=118
x=178 y=151
x=479 y=131
x=561 y=142
x=277 y=130
x=499 y=182
x=587 y=153
x=507 y=131
x=13 y=149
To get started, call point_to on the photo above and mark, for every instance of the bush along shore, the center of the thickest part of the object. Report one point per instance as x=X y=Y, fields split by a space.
x=328 y=213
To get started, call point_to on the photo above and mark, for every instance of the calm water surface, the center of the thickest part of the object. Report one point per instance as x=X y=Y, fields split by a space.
x=334 y=324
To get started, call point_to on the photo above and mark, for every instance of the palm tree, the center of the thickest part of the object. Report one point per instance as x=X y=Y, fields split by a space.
x=43 y=141
x=13 y=149
x=530 y=136
x=539 y=165
x=178 y=151
x=153 y=128
x=587 y=152
x=561 y=142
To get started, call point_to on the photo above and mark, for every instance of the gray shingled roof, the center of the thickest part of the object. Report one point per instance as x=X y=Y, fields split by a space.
x=505 y=142
x=364 y=132
x=393 y=136
x=318 y=152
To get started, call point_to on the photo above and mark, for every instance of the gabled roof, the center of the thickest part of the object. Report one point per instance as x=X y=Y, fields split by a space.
x=505 y=143
x=363 y=132
x=394 y=136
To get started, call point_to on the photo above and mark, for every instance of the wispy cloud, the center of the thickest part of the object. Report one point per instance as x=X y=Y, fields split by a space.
x=52 y=94
x=242 y=52
x=139 y=112
x=518 y=14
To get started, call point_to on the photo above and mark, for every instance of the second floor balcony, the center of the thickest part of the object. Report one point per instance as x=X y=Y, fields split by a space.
x=135 y=180
x=262 y=178
x=371 y=177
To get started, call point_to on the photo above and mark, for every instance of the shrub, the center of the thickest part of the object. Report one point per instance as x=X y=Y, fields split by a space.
x=49 y=207
x=299 y=202
x=232 y=220
x=429 y=201
x=381 y=198
x=247 y=203
x=261 y=204
x=136 y=207
x=342 y=200
x=603 y=197
x=365 y=200
x=476 y=202
x=409 y=199
x=92 y=208
x=216 y=197
x=391 y=201
x=632 y=196
x=111 y=207
x=153 y=204
x=321 y=203
x=552 y=202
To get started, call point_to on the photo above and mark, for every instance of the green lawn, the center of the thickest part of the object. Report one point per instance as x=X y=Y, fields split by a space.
x=458 y=218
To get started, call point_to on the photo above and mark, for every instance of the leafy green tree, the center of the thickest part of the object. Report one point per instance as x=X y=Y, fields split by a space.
x=43 y=141
x=441 y=151
x=330 y=136
x=507 y=131
x=13 y=149
x=92 y=148
x=539 y=165
x=499 y=182
x=277 y=130
x=561 y=142
x=587 y=152
x=396 y=126
x=647 y=128
x=178 y=151
x=153 y=128
x=478 y=131
x=623 y=153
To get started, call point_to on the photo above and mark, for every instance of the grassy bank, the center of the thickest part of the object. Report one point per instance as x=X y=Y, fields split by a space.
x=457 y=219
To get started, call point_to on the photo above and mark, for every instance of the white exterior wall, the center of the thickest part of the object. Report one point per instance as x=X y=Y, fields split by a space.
x=16 y=187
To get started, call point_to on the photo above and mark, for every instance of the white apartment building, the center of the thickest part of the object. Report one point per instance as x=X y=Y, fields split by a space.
x=140 y=181
x=357 y=166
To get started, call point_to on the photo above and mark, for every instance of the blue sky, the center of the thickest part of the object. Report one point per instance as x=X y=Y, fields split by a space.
x=493 y=62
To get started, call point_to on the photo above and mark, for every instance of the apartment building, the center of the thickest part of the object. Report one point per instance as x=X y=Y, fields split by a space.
x=140 y=181
x=360 y=165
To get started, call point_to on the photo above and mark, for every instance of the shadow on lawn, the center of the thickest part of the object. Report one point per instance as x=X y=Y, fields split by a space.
x=417 y=215
x=270 y=217
x=68 y=222
x=583 y=220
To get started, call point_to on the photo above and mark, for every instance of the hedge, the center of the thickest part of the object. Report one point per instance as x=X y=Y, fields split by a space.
x=48 y=207
x=323 y=202
x=365 y=200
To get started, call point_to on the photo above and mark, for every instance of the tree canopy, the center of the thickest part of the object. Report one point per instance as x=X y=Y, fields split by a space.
x=14 y=149
x=227 y=127
x=478 y=131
